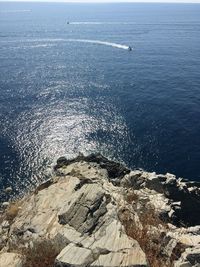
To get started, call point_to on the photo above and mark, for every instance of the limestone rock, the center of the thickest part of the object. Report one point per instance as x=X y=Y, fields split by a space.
x=5 y=224
x=127 y=257
x=114 y=169
x=190 y=257
x=10 y=260
x=85 y=209
x=72 y=255
x=179 y=197
x=79 y=209
x=79 y=213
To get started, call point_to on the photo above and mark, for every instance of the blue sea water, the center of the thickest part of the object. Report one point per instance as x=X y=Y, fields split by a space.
x=69 y=88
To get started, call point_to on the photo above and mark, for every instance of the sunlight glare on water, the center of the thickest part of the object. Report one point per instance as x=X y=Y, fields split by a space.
x=74 y=87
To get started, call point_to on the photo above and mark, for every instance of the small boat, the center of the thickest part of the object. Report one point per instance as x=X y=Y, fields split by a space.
x=67 y=22
x=130 y=48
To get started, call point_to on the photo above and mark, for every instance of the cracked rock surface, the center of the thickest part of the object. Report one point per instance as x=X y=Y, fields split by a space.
x=78 y=210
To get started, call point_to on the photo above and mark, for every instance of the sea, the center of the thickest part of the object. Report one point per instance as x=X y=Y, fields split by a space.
x=69 y=84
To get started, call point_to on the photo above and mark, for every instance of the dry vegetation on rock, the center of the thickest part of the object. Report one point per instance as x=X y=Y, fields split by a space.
x=144 y=231
x=40 y=254
x=12 y=210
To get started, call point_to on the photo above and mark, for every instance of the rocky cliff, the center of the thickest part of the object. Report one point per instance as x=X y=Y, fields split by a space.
x=96 y=212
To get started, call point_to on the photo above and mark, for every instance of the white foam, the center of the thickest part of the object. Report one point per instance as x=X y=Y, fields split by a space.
x=37 y=46
x=99 y=23
x=31 y=46
x=97 y=42
x=85 y=23
x=15 y=11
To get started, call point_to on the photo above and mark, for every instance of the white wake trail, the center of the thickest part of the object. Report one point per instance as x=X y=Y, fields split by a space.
x=15 y=11
x=58 y=40
x=86 y=23
x=99 y=43
x=99 y=23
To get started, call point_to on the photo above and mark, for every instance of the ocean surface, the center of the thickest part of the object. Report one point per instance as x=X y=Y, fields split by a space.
x=68 y=84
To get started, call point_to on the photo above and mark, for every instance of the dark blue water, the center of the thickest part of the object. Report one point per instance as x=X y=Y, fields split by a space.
x=66 y=88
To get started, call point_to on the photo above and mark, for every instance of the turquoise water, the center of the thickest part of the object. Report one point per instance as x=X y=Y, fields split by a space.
x=69 y=88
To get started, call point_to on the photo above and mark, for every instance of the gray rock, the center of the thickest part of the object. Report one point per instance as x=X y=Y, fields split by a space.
x=192 y=255
x=182 y=197
x=8 y=189
x=114 y=169
x=88 y=206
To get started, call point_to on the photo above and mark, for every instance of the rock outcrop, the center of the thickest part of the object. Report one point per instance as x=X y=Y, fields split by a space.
x=92 y=211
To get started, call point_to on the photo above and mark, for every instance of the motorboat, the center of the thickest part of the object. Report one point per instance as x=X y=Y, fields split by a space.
x=130 y=48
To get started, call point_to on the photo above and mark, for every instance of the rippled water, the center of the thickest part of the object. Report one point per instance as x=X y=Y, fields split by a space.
x=69 y=88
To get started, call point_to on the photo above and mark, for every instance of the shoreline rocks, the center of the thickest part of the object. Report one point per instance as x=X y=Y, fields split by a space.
x=85 y=210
